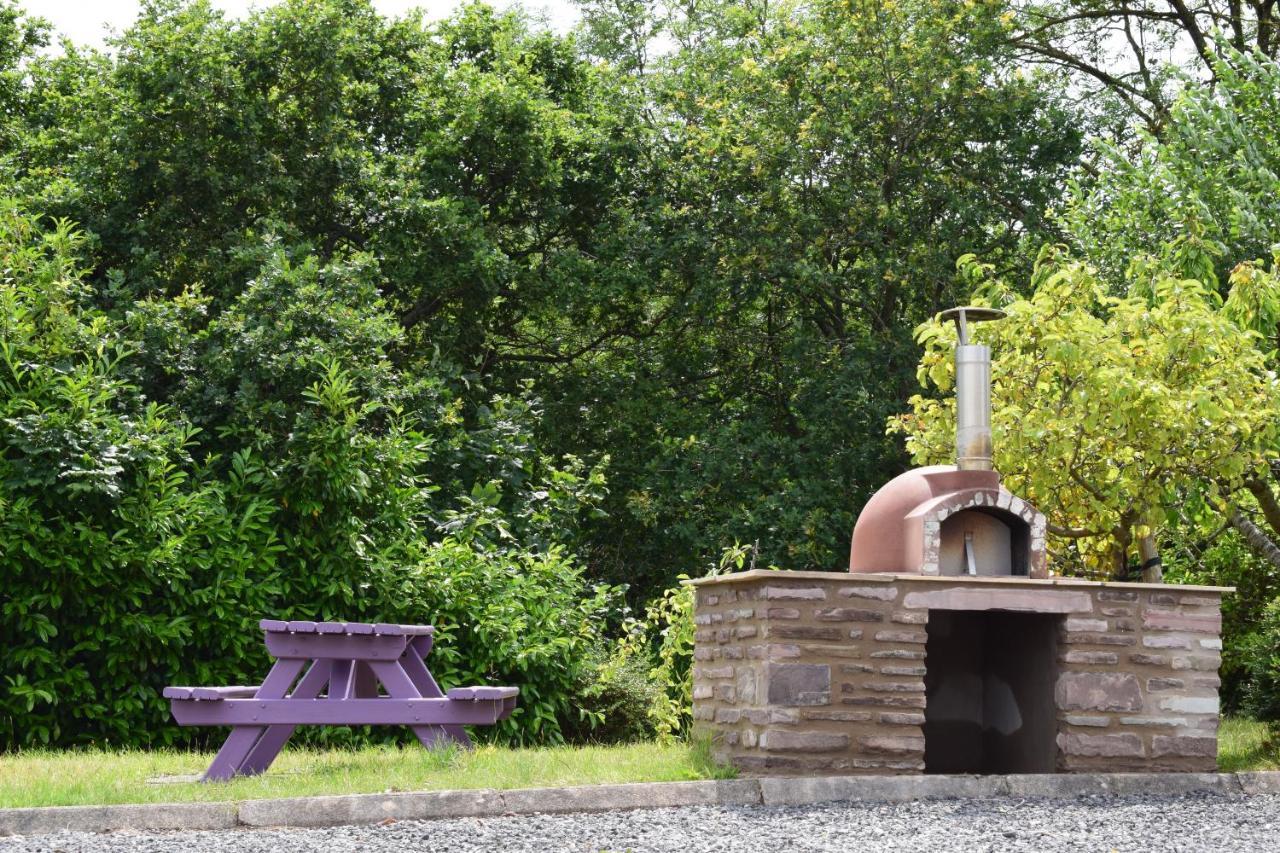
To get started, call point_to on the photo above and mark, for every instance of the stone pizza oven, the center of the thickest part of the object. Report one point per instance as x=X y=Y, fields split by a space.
x=948 y=648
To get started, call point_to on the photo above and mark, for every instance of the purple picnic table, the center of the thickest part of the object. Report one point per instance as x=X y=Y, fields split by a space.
x=346 y=662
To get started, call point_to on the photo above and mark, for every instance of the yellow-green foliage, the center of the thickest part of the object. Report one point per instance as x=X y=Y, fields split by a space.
x=1108 y=409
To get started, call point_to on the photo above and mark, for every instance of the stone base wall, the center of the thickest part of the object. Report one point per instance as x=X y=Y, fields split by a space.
x=815 y=672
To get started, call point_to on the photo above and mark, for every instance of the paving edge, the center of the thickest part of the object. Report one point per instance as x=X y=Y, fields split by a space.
x=349 y=809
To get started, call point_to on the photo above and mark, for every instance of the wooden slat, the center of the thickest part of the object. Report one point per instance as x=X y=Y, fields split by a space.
x=347 y=712
x=273 y=625
x=302 y=627
x=482 y=693
x=331 y=627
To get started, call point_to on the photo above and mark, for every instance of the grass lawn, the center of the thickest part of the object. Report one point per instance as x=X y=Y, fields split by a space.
x=1245 y=744
x=99 y=777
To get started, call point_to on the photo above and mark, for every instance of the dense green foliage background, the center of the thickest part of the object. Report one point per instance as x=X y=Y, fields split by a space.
x=319 y=314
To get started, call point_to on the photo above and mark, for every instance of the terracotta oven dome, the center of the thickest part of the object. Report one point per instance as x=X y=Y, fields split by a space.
x=943 y=521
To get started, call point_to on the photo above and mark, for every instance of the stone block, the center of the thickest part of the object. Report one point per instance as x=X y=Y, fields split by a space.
x=848 y=614
x=899 y=654
x=702 y=691
x=1143 y=659
x=1166 y=641
x=845 y=652
x=1211 y=644
x=782 y=613
x=835 y=715
x=1190 y=704
x=804 y=632
x=902 y=719
x=917 y=637
x=1101 y=746
x=745 y=632
x=1085 y=720
x=1037 y=601
x=856 y=668
x=903 y=670
x=713 y=672
x=894 y=686
x=891 y=744
x=1155 y=685
x=1174 y=621
x=1086 y=625
x=883 y=700
x=877 y=593
x=787 y=740
x=1204 y=747
x=792 y=593
x=1109 y=658
x=908 y=617
x=1098 y=640
x=797 y=684
x=1172 y=722
x=728 y=716
x=1098 y=691
x=1199 y=664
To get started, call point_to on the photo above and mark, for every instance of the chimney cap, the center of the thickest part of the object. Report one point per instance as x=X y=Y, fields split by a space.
x=964 y=314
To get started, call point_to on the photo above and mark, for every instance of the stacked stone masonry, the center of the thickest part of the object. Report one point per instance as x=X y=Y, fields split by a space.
x=815 y=673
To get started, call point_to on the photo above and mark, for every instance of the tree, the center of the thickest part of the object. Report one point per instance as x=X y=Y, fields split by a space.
x=1111 y=414
x=1133 y=50
x=817 y=169
x=1202 y=200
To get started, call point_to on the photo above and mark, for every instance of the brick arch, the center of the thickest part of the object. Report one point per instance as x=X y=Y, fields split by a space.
x=995 y=501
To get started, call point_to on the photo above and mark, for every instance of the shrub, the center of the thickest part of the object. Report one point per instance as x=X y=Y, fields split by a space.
x=132 y=561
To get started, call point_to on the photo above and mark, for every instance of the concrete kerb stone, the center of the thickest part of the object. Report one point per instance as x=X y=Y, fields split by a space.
x=348 y=809
x=139 y=816
x=640 y=795
x=769 y=791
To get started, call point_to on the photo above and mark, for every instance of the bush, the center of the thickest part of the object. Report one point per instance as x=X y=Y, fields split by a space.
x=134 y=556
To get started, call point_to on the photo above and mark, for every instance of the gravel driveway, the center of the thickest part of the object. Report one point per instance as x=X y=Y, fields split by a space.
x=1195 y=822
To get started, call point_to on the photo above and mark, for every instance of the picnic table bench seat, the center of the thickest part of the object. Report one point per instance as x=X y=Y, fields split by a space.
x=334 y=673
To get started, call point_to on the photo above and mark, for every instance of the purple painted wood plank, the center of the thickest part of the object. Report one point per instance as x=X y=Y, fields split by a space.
x=393 y=630
x=482 y=693
x=302 y=627
x=508 y=706
x=384 y=711
x=331 y=627
x=333 y=646
x=275 y=737
x=342 y=680
x=218 y=693
x=401 y=685
x=358 y=627
x=273 y=625
x=208 y=694
x=239 y=744
x=412 y=666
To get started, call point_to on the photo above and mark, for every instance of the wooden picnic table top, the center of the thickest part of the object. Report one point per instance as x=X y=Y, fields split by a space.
x=381 y=629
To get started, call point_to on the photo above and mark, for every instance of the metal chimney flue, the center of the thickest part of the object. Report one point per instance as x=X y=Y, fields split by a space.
x=973 y=390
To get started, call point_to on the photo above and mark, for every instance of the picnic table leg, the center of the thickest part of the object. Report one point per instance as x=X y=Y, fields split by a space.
x=240 y=743
x=366 y=683
x=414 y=667
x=400 y=686
x=273 y=740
